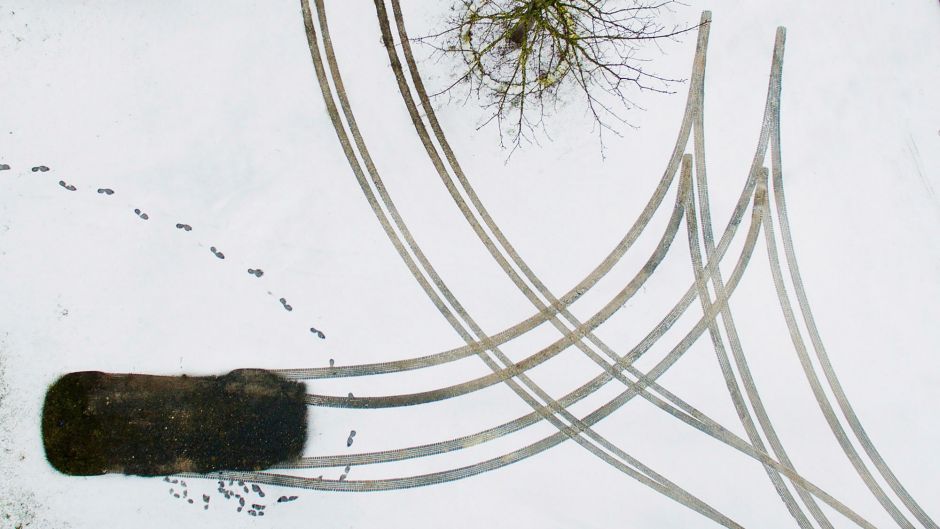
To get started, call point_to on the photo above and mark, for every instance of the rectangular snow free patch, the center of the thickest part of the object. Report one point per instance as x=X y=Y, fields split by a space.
x=97 y=423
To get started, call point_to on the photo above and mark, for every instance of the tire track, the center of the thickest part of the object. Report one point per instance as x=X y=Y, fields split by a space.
x=517 y=368
x=625 y=463
x=488 y=243
x=570 y=297
x=697 y=99
x=575 y=396
x=816 y=386
x=747 y=379
x=725 y=365
x=823 y=357
x=557 y=438
x=372 y=485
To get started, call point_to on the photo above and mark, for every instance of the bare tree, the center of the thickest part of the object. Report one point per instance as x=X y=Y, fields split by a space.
x=518 y=57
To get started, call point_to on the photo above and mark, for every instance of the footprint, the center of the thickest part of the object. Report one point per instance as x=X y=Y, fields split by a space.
x=105 y=191
x=4 y=167
x=220 y=255
x=257 y=273
x=332 y=362
x=184 y=227
x=70 y=187
x=318 y=333
x=286 y=306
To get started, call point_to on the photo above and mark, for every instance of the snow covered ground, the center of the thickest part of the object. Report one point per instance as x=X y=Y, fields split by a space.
x=209 y=114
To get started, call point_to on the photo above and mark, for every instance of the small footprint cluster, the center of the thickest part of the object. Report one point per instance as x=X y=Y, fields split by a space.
x=245 y=497
x=183 y=493
x=106 y=191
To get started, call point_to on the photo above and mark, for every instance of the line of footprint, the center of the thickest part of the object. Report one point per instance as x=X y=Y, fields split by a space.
x=106 y=191
x=257 y=509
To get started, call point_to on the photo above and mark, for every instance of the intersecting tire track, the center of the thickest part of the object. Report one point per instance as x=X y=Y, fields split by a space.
x=468 y=328
x=711 y=310
x=318 y=72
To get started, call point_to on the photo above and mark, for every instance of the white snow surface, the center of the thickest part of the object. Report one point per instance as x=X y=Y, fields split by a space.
x=209 y=113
